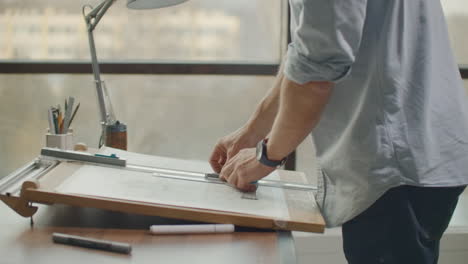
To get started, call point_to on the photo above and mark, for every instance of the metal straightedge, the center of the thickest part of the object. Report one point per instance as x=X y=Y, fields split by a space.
x=82 y=156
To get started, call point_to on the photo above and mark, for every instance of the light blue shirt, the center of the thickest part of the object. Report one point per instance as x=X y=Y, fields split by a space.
x=398 y=114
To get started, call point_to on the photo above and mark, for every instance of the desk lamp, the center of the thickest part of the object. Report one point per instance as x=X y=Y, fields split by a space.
x=114 y=133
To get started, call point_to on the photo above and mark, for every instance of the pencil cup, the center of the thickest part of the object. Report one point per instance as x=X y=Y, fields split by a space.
x=116 y=135
x=61 y=141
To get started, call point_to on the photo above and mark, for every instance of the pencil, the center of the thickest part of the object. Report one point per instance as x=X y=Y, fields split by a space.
x=73 y=115
x=55 y=114
x=50 y=116
x=60 y=122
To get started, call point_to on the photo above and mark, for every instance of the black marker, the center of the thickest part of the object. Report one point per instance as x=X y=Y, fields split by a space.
x=92 y=243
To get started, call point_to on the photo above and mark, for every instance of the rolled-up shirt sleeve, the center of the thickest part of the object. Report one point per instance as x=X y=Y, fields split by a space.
x=326 y=36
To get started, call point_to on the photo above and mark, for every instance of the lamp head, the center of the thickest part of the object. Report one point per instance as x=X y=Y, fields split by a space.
x=150 y=4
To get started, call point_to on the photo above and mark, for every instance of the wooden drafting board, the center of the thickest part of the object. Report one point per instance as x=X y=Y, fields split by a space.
x=84 y=185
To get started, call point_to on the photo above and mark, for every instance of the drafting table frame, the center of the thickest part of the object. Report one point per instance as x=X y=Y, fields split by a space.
x=36 y=182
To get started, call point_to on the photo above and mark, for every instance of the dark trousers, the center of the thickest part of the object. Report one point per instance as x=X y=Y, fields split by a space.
x=404 y=226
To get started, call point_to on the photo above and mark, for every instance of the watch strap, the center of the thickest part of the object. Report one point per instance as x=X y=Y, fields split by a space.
x=263 y=158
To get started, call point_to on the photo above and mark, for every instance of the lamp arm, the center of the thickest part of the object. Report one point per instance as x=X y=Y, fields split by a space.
x=92 y=19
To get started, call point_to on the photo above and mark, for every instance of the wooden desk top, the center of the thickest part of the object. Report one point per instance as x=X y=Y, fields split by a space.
x=19 y=243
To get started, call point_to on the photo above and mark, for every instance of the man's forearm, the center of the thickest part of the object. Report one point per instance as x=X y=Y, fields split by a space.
x=299 y=111
x=261 y=121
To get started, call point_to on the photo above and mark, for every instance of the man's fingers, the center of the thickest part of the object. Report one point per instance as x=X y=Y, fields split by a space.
x=227 y=170
x=222 y=160
x=232 y=152
x=243 y=183
x=246 y=187
x=252 y=187
x=240 y=171
x=216 y=166
x=232 y=179
x=217 y=159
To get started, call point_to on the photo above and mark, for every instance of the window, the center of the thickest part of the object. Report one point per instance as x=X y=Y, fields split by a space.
x=164 y=113
x=202 y=30
x=456 y=13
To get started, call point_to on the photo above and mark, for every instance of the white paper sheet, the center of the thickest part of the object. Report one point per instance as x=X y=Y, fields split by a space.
x=140 y=186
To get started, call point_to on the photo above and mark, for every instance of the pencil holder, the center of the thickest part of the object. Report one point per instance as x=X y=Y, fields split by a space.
x=116 y=135
x=61 y=141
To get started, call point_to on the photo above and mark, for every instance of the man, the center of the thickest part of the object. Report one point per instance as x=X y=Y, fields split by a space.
x=377 y=82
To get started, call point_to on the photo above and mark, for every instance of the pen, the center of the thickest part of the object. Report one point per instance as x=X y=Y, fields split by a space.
x=79 y=241
x=191 y=229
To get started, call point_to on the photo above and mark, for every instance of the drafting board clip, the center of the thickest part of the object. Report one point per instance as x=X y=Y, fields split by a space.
x=21 y=204
x=14 y=187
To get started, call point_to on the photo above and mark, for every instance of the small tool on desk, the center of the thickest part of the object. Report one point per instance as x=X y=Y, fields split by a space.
x=249 y=195
x=92 y=243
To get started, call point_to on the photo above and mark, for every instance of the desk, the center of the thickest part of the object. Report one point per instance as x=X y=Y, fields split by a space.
x=21 y=244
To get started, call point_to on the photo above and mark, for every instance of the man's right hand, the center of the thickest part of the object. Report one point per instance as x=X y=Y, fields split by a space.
x=228 y=146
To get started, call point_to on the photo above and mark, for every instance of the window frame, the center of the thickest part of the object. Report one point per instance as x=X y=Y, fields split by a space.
x=127 y=67
x=176 y=67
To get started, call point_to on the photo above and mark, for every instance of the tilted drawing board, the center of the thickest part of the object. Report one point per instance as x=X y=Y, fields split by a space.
x=83 y=184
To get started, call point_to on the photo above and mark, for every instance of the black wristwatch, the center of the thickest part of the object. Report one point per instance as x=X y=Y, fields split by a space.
x=263 y=158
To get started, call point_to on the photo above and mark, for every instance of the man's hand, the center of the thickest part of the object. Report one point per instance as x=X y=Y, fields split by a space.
x=228 y=146
x=256 y=128
x=243 y=169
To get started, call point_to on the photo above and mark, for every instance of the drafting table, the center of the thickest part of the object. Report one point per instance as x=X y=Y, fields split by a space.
x=61 y=183
x=130 y=188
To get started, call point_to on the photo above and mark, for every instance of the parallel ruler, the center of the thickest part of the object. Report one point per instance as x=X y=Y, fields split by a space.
x=115 y=162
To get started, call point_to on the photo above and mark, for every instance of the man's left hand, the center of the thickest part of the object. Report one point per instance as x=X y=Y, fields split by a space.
x=243 y=169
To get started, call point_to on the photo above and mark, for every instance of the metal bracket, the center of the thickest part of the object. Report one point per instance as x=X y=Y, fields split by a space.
x=11 y=184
